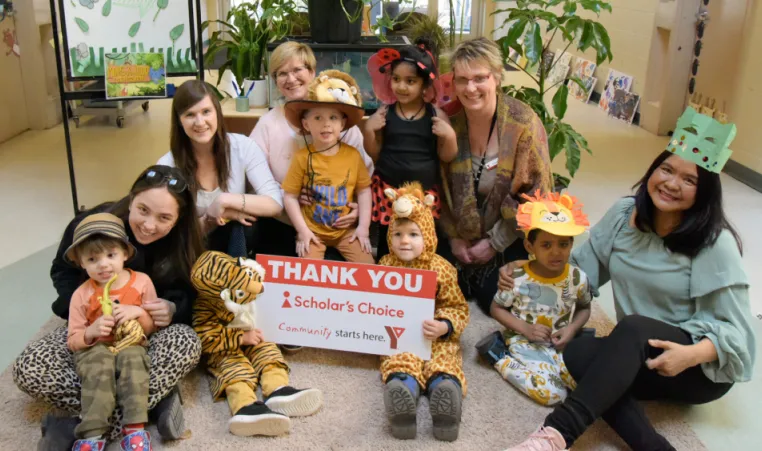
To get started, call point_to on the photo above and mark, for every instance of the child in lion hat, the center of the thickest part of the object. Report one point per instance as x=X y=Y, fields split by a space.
x=548 y=305
x=331 y=170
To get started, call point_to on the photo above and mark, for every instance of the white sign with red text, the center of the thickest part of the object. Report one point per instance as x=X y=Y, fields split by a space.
x=354 y=307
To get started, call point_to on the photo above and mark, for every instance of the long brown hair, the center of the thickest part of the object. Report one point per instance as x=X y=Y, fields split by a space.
x=175 y=253
x=188 y=94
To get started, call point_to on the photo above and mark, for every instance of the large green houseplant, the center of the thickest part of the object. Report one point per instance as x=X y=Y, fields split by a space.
x=526 y=24
x=385 y=22
x=244 y=35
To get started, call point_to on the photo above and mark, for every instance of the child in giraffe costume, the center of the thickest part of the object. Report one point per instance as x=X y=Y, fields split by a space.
x=548 y=305
x=413 y=241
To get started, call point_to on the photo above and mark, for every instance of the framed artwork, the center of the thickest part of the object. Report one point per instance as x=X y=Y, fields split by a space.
x=624 y=105
x=583 y=95
x=615 y=80
x=584 y=68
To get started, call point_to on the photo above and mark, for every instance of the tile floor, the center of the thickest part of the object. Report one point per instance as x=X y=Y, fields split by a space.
x=37 y=206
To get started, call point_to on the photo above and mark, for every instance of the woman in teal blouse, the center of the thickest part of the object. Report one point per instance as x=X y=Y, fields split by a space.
x=682 y=305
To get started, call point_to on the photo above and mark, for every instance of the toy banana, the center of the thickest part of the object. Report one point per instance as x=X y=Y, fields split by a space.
x=106 y=305
x=126 y=334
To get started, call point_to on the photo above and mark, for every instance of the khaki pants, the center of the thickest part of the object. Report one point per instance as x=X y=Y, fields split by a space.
x=352 y=252
x=107 y=379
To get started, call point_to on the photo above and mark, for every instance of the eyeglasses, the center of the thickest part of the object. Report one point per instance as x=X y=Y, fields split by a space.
x=158 y=177
x=283 y=75
x=478 y=80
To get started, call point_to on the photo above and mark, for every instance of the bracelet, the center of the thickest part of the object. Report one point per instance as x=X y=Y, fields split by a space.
x=243 y=198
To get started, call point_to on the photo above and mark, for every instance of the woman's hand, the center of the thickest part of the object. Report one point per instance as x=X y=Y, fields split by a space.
x=349 y=219
x=306 y=197
x=377 y=120
x=505 y=281
x=442 y=129
x=215 y=211
x=252 y=337
x=460 y=250
x=433 y=329
x=481 y=252
x=364 y=237
x=161 y=311
x=303 y=241
x=675 y=359
x=124 y=313
x=235 y=215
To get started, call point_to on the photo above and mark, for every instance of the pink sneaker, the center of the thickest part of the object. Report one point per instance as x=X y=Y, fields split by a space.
x=545 y=439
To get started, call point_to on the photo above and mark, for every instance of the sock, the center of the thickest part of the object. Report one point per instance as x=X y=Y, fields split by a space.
x=130 y=428
x=434 y=381
x=408 y=380
x=94 y=438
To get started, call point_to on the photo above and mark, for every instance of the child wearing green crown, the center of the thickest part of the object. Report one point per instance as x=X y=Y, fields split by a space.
x=684 y=330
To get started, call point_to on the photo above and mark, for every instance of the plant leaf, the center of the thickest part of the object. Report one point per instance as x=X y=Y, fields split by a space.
x=82 y=25
x=533 y=43
x=175 y=33
x=561 y=180
x=162 y=4
x=572 y=154
x=579 y=82
x=559 y=101
x=134 y=29
x=602 y=43
x=552 y=3
x=106 y=8
x=586 y=40
x=555 y=143
x=570 y=8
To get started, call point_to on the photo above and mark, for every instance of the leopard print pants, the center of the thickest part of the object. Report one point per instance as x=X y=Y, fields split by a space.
x=45 y=369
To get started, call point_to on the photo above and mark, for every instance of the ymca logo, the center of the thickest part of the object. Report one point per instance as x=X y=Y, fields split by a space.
x=394 y=333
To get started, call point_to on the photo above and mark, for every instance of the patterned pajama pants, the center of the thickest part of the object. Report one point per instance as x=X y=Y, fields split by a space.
x=445 y=358
x=108 y=379
x=45 y=370
x=536 y=370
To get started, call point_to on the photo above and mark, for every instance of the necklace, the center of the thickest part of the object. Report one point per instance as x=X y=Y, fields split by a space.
x=411 y=118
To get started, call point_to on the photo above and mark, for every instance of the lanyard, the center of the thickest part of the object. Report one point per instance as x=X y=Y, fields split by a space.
x=478 y=174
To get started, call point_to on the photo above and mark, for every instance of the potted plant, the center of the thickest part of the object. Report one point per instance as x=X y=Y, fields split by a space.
x=352 y=12
x=525 y=23
x=244 y=35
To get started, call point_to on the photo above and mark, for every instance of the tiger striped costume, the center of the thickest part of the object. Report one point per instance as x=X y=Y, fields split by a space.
x=226 y=359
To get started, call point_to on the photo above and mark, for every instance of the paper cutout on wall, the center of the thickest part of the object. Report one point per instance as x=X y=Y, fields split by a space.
x=135 y=75
x=10 y=41
x=615 y=80
x=624 y=105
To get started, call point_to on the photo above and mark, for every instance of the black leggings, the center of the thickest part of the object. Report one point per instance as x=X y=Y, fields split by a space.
x=611 y=376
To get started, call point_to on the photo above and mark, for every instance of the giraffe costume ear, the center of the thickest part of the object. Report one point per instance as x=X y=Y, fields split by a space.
x=390 y=193
x=429 y=201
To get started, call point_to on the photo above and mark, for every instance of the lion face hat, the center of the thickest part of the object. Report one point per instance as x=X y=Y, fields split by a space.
x=559 y=214
x=330 y=88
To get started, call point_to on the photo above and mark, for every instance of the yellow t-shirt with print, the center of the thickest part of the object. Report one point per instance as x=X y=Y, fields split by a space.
x=333 y=180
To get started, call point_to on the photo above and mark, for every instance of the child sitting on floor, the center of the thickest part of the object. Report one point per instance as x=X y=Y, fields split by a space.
x=548 y=306
x=109 y=375
x=412 y=240
x=330 y=169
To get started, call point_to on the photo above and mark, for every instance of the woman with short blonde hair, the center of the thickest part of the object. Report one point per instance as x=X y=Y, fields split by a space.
x=291 y=50
x=502 y=154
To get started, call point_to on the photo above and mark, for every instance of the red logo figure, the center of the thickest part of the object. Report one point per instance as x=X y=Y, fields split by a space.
x=286 y=304
x=394 y=333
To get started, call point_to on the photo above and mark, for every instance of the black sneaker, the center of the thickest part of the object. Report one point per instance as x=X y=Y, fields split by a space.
x=258 y=419
x=401 y=405
x=492 y=348
x=293 y=402
x=445 y=405
x=57 y=433
x=168 y=416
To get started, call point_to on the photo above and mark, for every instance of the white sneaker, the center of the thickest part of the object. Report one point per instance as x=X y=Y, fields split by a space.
x=545 y=439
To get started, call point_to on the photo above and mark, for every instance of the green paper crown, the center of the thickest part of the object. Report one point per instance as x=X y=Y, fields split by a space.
x=700 y=139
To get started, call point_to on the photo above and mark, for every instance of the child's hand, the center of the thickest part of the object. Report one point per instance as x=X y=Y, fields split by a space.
x=100 y=328
x=377 y=120
x=364 y=237
x=537 y=333
x=433 y=329
x=349 y=219
x=252 y=337
x=303 y=242
x=562 y=337
x=124 y=313
x=306 y=197
x=442 y=129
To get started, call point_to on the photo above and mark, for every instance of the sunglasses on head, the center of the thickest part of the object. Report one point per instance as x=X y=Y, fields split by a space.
x=158 y=177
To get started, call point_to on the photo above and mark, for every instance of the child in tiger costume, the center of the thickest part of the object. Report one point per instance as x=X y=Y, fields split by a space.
x=237 y=355
x=412 y=241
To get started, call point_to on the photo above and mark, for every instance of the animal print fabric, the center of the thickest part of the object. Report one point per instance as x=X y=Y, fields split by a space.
x=445 y=358
x=45 y=369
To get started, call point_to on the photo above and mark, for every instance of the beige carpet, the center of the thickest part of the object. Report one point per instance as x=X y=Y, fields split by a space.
x=495 y=415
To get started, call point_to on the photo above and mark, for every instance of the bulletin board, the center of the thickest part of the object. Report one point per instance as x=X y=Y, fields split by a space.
x=92 y=28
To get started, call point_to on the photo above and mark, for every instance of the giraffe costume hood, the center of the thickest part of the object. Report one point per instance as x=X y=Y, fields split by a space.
x=410 y=203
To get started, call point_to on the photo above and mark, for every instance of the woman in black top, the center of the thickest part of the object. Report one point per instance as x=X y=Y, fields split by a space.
x=160 y=212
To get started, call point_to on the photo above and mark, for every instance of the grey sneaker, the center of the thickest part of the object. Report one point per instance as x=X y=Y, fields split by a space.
x=57 y=433
x=401 y=405
x=445 y=405
x=169 y=417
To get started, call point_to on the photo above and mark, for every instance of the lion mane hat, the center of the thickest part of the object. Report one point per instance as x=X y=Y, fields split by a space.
x=559 y=214
x=330 y=88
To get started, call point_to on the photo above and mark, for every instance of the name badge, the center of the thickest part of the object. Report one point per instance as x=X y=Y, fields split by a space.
x=491 y=164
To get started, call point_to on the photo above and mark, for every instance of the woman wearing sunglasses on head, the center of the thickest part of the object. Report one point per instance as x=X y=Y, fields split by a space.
x=160 y=215
x=218 y=166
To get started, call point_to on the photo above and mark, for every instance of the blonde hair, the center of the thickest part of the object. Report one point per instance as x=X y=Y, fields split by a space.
x=284 y=52
x=481 y=51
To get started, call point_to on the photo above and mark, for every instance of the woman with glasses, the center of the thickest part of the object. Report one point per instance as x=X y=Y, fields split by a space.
x=502 y=153
x=292 y=66
x=161 y=216
x=218 y=167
